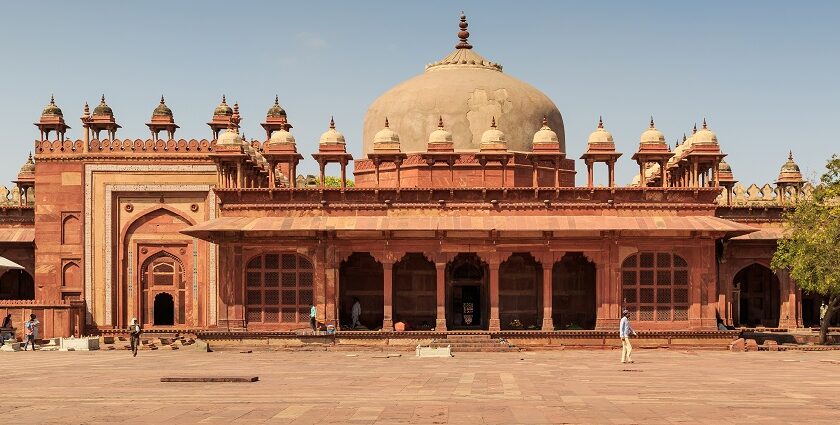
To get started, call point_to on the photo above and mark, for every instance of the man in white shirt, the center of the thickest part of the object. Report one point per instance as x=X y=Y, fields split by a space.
x=624 y=331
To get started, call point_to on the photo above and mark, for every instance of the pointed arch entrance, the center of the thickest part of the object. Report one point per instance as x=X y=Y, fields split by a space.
x=164 y=310
x=467 y=293
x=156 y=258
x=163 y=295
x=520 y=292
x=759 y=296
x=361 y=277
x=415 y=292
x=573 y=288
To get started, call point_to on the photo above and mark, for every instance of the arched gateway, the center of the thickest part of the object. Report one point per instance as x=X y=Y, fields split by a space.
x=759 y=296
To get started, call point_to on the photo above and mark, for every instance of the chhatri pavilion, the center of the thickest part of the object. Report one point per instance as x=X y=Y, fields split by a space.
x=463 y=216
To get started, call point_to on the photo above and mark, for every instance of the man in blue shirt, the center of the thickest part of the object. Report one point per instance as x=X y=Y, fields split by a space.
x=624 y=331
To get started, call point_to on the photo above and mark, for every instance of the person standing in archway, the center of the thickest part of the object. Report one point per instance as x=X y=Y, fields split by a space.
x=624 y=331
x=355 y=312
x=134 y=333
x=313 y=313
x=31 y=331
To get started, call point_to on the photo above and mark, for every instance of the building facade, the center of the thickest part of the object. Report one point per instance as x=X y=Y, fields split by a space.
x=464 y=215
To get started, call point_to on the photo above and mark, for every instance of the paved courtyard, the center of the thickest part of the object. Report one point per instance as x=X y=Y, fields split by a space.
x=663 y=386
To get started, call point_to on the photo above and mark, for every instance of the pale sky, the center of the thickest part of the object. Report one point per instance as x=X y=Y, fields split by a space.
x=763 y=73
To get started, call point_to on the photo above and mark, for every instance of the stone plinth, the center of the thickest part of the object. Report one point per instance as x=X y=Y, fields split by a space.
x=79 y=344
x=433 y=352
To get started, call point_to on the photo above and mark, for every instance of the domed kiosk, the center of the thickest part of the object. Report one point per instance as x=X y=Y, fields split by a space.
x=467 y=90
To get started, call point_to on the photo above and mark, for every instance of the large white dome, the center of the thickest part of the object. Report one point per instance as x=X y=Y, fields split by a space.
x=468 y=91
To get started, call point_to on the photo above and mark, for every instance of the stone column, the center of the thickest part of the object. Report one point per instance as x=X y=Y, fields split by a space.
x=548 y=293
x=589 y=170
x=608 y=285
x=611 y=171
x=493 y=267
x=788 y=300
x=388 y=294
x=440 y=294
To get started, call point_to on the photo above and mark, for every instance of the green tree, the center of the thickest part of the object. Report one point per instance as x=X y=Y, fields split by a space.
x=810 y=249
x=332 y=181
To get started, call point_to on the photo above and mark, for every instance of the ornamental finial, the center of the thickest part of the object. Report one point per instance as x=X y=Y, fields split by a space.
x=463 y=34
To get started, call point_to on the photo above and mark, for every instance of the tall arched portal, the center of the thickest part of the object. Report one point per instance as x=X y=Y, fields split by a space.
x=361 y=277
x=520 y=292
x=759 y=296
x=573 y=289
x=467 y=293
x=415 y=279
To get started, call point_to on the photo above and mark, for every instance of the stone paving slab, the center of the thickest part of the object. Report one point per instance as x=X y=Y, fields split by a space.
x=662 y=387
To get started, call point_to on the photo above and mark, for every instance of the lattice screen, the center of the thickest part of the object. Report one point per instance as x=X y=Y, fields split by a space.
x=654 y=286
x=279 y=288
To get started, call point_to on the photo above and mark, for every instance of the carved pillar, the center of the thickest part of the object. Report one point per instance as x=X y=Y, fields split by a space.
x=440 y=295
x=328 y=256
x=388 y=295
x=493 y=267
x=611 y=171
x=663 y=174
x=608 y=286
x=548 y=295
x=321 y=166
x=642 y=179
x=589 y=170
x=343 y=175
x=789 y=302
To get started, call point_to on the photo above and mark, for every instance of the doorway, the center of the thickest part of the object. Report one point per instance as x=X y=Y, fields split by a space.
x=164 y=310
x=467 y=295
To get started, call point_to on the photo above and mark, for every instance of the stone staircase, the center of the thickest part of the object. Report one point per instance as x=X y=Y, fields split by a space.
x=474 y=343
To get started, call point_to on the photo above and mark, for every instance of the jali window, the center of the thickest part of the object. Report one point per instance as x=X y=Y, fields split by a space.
x=279 y=288
x=654 y=286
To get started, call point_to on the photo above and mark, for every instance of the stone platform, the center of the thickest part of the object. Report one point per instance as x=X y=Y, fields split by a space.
x=572 y=386
x=407 y=341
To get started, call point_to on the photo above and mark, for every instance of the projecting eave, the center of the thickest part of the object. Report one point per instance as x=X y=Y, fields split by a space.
x=466 y=226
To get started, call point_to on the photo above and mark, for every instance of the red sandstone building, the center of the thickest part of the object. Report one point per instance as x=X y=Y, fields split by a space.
x=463 y=216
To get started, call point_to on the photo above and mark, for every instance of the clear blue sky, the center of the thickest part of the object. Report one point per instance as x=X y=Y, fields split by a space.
x=764 y=73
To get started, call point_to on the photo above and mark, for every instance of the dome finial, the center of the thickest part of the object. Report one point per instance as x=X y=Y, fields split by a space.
x=277 y=100
x=694 y=130
x=332 y=123
x=600 y=122
x=790 y=155
x=651 y=122
x=493 y=122
x=52 y=99
x=463 y=34
x=235 y=118
x=86 y=112
x=545 y=121
x=386 y=122
x=102 y=100
x=440 y=122
x=704 y=124
x=684 y=138
x=161 y=100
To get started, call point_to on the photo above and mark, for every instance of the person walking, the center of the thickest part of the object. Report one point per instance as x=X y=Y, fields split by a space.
x=624 y=331
x=355 y=312
x=31 y=331
x=313 y=313
x=134 y=333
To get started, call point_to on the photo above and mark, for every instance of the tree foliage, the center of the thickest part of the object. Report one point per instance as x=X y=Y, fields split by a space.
x=332 y=181
x=810 y=249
